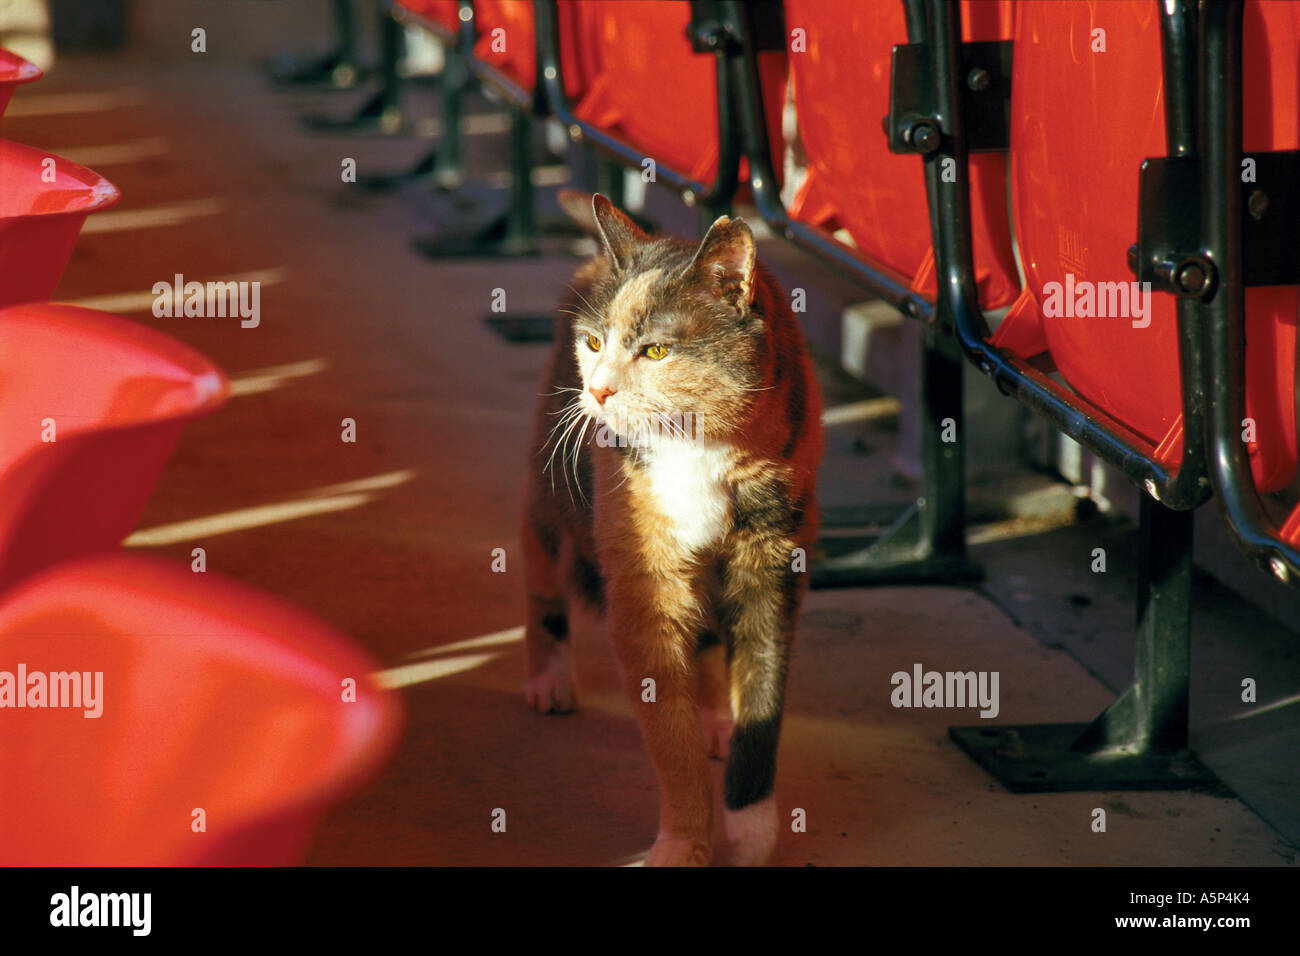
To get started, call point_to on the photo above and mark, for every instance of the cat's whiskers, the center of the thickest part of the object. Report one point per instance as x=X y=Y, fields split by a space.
x=566 y=412
x=585 y=300
x=582 y=314
x=574 y=413
x=564 y=456
x=671 y=418
x=558 y=390
x=636 y=454
x=577 y=452
x=567 y=409
x=675 y=428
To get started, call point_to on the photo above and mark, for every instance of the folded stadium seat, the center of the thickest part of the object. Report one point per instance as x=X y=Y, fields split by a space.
x=40 y=220
x=214 y=697
x=513 y=51
x=638 y=80
x=841 y=93
x=1074 y=182
x=114 y=396
x=14 y=70
x=577 y=48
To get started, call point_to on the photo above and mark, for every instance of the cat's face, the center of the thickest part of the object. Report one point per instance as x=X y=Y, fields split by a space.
x=667 y=342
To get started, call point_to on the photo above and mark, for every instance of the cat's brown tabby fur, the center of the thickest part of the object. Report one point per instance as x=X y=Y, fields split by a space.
x=672 y=487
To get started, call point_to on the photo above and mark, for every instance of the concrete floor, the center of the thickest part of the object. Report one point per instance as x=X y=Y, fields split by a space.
x=356 y=325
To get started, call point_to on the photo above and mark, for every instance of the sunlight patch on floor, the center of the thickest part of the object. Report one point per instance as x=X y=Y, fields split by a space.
x=114 y=154
x=52 y=104
x=151 y=217
x=487 y=640
x=405 y=675
x=864 y=411
x=259 y=380
x=317 y=501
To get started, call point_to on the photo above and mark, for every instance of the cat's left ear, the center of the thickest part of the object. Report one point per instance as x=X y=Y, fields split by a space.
x=725 y=262
x=619 y=234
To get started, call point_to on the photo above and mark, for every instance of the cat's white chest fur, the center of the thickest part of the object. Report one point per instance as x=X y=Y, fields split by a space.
x=687 y=480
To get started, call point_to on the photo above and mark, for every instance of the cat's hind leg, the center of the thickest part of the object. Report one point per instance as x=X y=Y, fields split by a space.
x=551 y=686
x=715 y=699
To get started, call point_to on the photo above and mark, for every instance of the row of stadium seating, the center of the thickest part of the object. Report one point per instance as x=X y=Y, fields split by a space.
x=150 y=714
x=1038 y=161
x=1065 y=169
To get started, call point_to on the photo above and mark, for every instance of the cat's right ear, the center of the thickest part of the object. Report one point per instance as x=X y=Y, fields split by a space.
x=619 y=234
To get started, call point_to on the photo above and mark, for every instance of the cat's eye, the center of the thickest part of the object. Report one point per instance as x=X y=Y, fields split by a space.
x=593 y=343
x=656 y=352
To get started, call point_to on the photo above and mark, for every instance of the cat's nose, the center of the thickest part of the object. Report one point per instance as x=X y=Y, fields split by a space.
x=601 y=394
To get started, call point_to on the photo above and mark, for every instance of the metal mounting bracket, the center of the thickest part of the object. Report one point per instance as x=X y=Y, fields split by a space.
x=1168 y=253
x=913 y=124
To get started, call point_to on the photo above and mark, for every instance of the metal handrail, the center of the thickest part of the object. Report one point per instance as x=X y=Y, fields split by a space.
x=1223 y=315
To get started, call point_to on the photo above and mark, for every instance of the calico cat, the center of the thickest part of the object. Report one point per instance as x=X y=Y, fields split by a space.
x=673 y=481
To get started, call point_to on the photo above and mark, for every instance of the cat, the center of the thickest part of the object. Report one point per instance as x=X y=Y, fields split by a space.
x=672 y=487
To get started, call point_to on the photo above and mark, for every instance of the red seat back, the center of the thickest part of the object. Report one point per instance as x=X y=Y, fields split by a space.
x=114 y=396
x=444 y=13
x=1075 y=198
x=638 y=79
x=507 y=39
x=841 y=92
x=214 y=698
x=40 y=220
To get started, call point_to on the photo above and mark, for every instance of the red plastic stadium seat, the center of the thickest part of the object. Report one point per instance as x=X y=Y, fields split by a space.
x=841 y=92
x=443 y=13
x=214 y=698
x=639 y=80
x=577 y=50
x=1074 y=174
x=14 y=70
x=114 y=396
x=507 y=39
x=40 y=220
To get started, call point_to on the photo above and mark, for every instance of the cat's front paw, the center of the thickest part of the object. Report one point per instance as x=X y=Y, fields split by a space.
x=717 y=727
x=553 y=689
x=751 y=833
x=670 y=850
